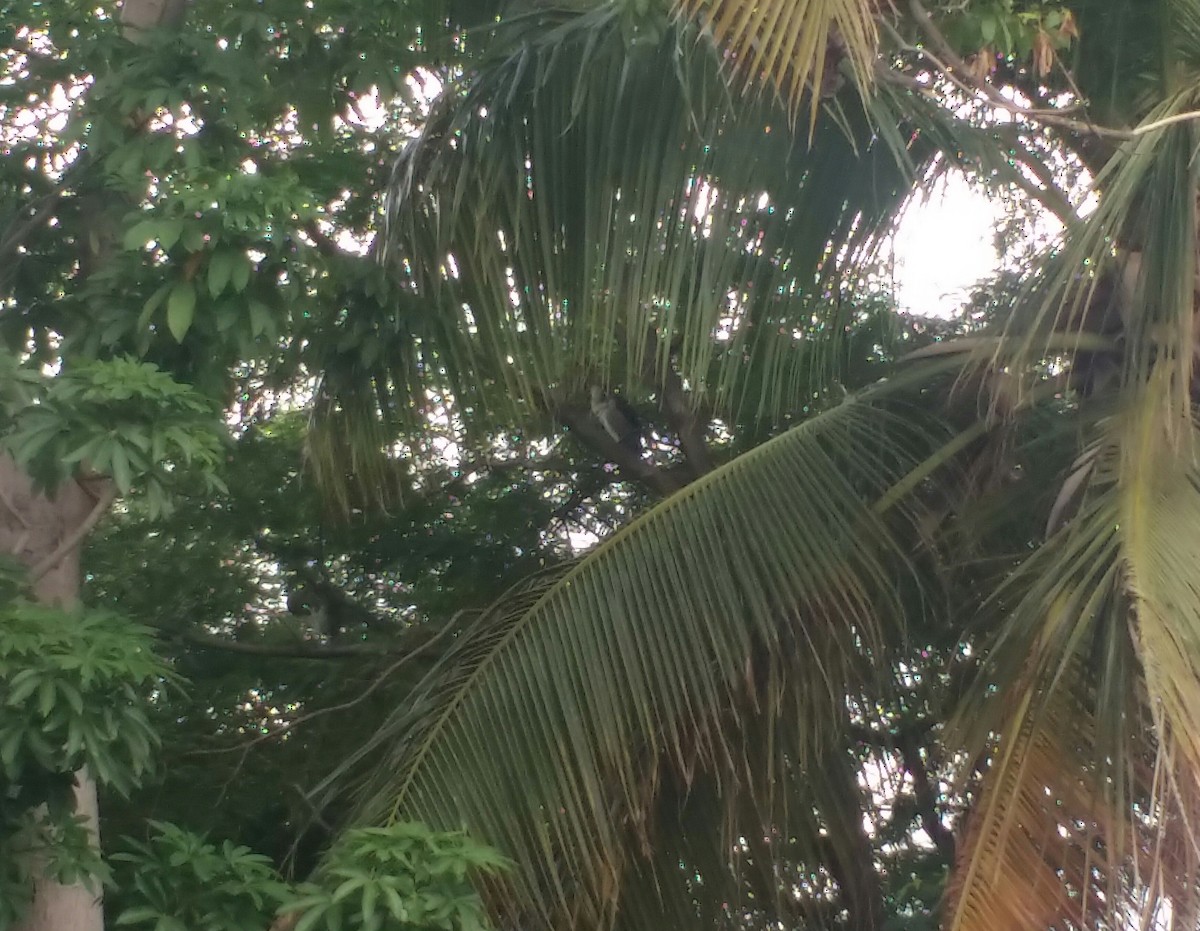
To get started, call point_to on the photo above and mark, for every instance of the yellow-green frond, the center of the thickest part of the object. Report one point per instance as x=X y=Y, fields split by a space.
x=797 y=46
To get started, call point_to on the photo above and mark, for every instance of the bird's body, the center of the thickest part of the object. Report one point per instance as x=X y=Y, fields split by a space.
x=618 y=418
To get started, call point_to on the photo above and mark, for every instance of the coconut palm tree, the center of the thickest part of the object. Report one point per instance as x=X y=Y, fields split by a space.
x=976 y=576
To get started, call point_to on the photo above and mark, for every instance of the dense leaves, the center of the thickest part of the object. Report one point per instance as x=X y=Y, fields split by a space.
x=858 y=622
x=74 y=692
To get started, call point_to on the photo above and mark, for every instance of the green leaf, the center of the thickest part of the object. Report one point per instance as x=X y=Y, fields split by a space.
x=181 y=308
x=132 y=916
x=169 y=232
x=240 y=273
x=310 y=919
x=141 y=233
x=193 y=237
x=261 y=318
x=349 y=886
x=987 y=29
x=121 y=473
x=46 y=696
x=220 y=267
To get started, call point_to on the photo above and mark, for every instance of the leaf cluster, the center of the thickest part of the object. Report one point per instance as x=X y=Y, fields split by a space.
x=401 y=878
x=74 y=693
x=122 y=419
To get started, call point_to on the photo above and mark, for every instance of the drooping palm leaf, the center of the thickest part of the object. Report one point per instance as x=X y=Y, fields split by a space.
x=584 y=208
x=1086 y=701
x=792 y=44
x=1031 y=856
x=759 y=592
x=1160 y=502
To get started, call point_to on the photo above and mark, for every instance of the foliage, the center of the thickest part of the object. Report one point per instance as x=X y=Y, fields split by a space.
x=405 y=877
x=709 y=606
x=851 y=636
x=118 y=418
x=398 y=878
x=180 y=882
x=74 y=692
x=604 y=290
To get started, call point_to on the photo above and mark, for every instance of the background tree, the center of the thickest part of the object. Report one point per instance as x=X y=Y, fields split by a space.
x=808 y=673
x=635 y=674
x=137 y=226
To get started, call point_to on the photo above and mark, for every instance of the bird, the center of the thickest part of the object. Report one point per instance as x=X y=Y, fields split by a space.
x=619 y=420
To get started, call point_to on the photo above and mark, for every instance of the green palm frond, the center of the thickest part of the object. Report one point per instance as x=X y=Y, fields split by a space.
x=762 y=592
x=1160 y=504
x=585 y=207
x=1086 y=702
x=1127 y=272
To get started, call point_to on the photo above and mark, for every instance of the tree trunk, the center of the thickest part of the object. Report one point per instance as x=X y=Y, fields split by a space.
x=69 y=908
x=43 y=533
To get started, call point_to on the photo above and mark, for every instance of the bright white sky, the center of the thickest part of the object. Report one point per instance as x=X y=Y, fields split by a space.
x=943 y=246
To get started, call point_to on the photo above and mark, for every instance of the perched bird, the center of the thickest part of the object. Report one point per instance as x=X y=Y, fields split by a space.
x=619 y=419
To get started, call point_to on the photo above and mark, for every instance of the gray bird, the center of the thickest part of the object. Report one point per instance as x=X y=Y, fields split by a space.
x=618 y=418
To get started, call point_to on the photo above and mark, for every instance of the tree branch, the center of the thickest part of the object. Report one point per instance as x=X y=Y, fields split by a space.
x=1054 y=200
x=958 y=72
x=687 y=424
x=75 y=537
x=682 y=418
x=591 y=434
x=925 y=795
x=40 y=211
x=292 y=651
x=362 y=696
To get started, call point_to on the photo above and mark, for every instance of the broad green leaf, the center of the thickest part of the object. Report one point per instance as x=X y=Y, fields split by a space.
x=220 y=268
x=181 y=309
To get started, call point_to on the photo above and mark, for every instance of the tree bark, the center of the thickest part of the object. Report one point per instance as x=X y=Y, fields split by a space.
x=33 y=530
x=74 y=907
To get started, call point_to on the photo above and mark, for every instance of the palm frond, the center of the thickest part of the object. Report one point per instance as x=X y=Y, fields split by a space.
x=1084 y=714
x=793 y=45
x=586 y=210
x=1034 y=855
x=1126 y=273
x=1046 y=836
x=759 y=592
x=1160 y=503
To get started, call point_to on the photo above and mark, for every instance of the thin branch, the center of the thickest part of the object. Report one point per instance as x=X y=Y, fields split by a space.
x=289 y=726
x=1048 y=196
x=959 y=73
x=687 y=423
x=291 y=651
x=323 y=243
x=21 y=228
x=75 y=537
x=1041 y=171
